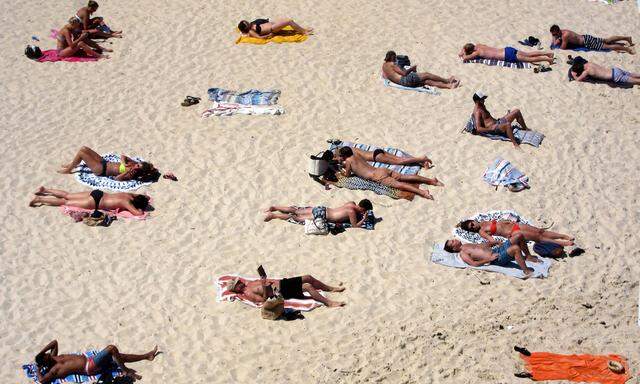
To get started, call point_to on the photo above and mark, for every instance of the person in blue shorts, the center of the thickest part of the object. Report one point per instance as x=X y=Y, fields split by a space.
x=509 y=54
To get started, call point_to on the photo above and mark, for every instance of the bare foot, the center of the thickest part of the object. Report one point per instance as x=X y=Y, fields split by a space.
x=340 y=288
x=270 y=209
x=308 y=31
x=64 y=170
x=153 y=353
x=454 y=84
x=632 y=51
x=107 y=49
x=39 y=191
x=34 y=203
x=269 y=217
x=335 y=304
x=426 y=195
x=437 y=182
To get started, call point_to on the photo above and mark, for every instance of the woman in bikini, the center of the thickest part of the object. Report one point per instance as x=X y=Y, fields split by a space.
x=126 y=169
x=264 y=29
x=71 y=39
x=96 y=199
x=505 y=228
x=95 y=26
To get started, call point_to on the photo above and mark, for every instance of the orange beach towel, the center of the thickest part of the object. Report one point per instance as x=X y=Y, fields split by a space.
x=580 y=368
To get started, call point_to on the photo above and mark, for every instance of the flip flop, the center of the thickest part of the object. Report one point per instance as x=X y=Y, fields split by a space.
x=190 y=100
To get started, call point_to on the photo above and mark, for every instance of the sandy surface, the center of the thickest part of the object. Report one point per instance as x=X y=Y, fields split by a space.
x=137 y=284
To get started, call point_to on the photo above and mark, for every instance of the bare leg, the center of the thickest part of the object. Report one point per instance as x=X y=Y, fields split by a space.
x=97 y=47
x=69 y=51
x=47 y=200
x=121 y=359
x=518 y=238
x=317 y=284
x=278 y=25
x=534 y=54
x=410 y=188
x=281 y=208
x=534 y=59
x=318 y=297
x=508 y=130
x=52 y=192
x=619 y=48
x=555 y=235
x=439 y=84
x=616 y=38
x=419 y=180
x=515 y=252
x=516 y=115
x=273 y=215
x=388 y=158
x=89 y=156
x=89 y=51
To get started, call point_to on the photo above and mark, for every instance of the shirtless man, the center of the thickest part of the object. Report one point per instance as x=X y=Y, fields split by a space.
x=568 y=39
x=485 y=123
x=582 y=70
x=380 y=156
x=501 y=255
x=96 y=199
x=356 y=164
x=411 y=78
x=351 y=213
x=60 y=366
x=509 y=54
x=95 y=27
x=257 y=291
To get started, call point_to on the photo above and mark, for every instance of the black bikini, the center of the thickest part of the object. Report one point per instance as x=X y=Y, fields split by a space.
x=377 y=152
x=257 y=23
x=104 y=167
x=97 y=196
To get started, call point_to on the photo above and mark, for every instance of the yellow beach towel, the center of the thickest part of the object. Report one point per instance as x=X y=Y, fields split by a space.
x=286 y=35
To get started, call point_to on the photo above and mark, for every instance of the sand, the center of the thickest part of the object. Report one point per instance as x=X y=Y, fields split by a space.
x=137 y=284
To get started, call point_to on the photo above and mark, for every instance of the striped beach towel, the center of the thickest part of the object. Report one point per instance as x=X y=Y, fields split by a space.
x=499 y=63
x=250 y=97
x=403 y=169
x=85 y=176
x=31 y=369
x=502 y=172
x=475 y=238
x=524 y=136
x=424 y=89
x=223 y=294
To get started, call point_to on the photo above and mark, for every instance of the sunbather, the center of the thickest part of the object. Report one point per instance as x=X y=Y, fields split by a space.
x=95 y=26
x=568 y=39
x=356 y=164
x=381 y=156
x=126 y=169
x=502 y=254
x=583 y=70
x=258 y=291
x=411 y=78
x=60 y=366
x=352 y=213
x=71 y=39
x=264 y=29
x=485 y=123
x=509 y=54
x=96 y=199
x=505 y=228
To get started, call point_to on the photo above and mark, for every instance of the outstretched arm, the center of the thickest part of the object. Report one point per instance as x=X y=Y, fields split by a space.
x=485 y=235
x=52 y=346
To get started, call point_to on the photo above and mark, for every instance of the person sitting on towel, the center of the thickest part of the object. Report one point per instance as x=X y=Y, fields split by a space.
x=411 y=78
x=356 y=164
x=487 y=124
x=482 y=254
x=506 y=228
x=509 y=54
x=381 y=156
x=568 y=39
x=257 y=291
x=71 y=39
x=95 y=26
x=96 y=200
x=126 y=169
x=583 y=70
x=264 y=29
x=109 y=359
x=351 y=213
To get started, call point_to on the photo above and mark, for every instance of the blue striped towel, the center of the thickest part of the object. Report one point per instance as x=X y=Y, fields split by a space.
x=85 y=176
x=499 y=63
x=579 y=49
x=524 y=136
x=250 y=97
x=423 y=89
x=403 y=169
x=30 y=371
x=502 y=172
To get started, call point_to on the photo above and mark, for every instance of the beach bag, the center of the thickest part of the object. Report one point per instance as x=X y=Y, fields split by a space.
x=273 y=308
x=403 y=61
x=545 y=249
x=97 y=218
x=33 y=52
x=316 y=226
x=318 y=164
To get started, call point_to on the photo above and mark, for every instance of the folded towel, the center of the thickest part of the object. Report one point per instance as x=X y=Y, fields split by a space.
x=357 y=183
x=286 y=35
x=442 y=257
x=85 y=176
x=502 y=172
x=475 y=238
x=403 y=169
x=250 y=97
x=369 y=223
x=31 y=369
x=524 y=136
x=73 y=211
x=423 y=89
x=222 y=294
x=499 y=63
x=51 y=56
x=229 y=109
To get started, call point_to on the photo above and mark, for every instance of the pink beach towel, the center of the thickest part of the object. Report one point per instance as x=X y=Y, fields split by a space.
x=223 y=294
x=51 y=56
x=73 y=211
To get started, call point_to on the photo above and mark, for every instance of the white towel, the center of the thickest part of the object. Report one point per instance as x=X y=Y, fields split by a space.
x=228 y=109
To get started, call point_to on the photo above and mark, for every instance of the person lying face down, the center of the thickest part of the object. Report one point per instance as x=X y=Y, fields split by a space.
x=487 y=124
x=126 y=169
x=264 y=29
x=472 y=51
x=505 y=228
x=357 y=165
x=380 y=156
x=258 y=291
x=351 y=213
x=411 y=78
x=96 y=200
x=583 y=70
x=60 y=366
x=482 y=254
x=568 y=39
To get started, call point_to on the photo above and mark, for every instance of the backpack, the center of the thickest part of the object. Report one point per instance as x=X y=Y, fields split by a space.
x=403 y=61
x=545 y=249
x=33 y=52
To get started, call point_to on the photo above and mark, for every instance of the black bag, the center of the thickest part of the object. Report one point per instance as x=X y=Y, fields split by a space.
x=33 y=52
x=403 y=61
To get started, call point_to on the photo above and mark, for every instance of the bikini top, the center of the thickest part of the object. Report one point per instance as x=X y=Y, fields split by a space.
x=494 y=227
x=122 y=168
x=257 y=23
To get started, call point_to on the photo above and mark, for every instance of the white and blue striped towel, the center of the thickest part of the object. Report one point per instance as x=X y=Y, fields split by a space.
x=499 y=63
x=30 y=371
x=502 y=172
x=523 y=136
x=403 y=169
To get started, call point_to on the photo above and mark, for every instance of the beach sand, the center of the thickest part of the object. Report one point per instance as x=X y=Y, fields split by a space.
x=137 y=284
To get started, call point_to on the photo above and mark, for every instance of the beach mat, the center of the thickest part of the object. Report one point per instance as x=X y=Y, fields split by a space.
x=577 y=368
x=523 y=136
x=402 y=169
x=286 y=35
x=369 y=223
x=250 y=97
x=51 y=56
x=85 y=176
x=30 y=371
x=499 y=63
x=579 y=49
x=424 y=89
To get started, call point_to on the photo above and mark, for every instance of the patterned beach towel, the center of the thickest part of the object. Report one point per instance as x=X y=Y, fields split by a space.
x=475 y=238
x=74 y=211
x=442 y=257
x=424 y=89
x=403 y=169
x=499 y=63
x=369 y=223
x=250 y=97
x=357 y=183
x=223 y=294
x=523 y=136
x=30 y=371
x=502 y=172
x=286 y=35
x=85 y=176
x=228 y=109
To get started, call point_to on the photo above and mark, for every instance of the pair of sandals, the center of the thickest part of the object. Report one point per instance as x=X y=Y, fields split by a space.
x=542 y=68
x=190 y=100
